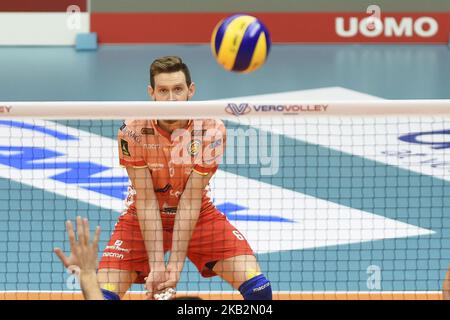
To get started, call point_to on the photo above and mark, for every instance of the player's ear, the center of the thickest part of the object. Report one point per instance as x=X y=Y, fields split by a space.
x=191 y=91
x=151 y=91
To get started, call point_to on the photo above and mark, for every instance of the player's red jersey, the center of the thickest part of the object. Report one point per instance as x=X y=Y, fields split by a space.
x=171 y=158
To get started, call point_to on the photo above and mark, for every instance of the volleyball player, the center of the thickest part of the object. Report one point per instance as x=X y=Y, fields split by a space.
x=446 y=286
x=170 y=164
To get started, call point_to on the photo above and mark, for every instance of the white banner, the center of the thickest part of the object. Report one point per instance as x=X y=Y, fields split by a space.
x=46 y=28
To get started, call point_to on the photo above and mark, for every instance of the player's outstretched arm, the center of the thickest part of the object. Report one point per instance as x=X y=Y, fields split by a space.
x=187 y=215
x=147 y=209
x=83 y=254
x=87 y=253
x=446 y=286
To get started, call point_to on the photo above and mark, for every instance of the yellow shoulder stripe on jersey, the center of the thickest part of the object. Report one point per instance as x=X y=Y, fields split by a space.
x=200 y=173
x=136 y=167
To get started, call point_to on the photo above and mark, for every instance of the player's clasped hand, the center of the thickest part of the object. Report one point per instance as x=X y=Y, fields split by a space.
x=156 y=285
x=172 y=278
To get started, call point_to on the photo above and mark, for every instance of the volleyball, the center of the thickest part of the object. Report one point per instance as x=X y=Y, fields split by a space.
x=240 y=43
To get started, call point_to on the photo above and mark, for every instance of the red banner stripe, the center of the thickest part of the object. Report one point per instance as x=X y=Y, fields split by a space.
x=40 y=5
x=284 y=27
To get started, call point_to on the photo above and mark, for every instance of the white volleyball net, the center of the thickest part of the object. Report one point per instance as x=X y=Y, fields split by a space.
x=338 y=200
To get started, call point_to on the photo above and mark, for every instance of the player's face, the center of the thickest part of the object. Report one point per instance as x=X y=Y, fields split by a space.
x=172 y=87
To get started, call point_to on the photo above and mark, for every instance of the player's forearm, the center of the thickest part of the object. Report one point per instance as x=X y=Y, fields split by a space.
x=151 y=229
x=446 y=286
x=185 y=221
x=89 y=285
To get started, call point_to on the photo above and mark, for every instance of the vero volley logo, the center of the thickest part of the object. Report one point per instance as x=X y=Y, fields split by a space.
x=238 y=109
x=276 y=109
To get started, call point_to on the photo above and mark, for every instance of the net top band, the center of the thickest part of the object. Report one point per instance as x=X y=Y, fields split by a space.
x=223 y=109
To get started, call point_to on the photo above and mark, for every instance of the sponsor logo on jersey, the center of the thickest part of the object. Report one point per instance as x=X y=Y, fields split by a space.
x=194 y=147
x=148 y=131
x=130 y=133
x=117 y=246
x=124 y=146
x=199 y=132
x=166 y=188
x=152 y=145
x=215 y=144
x=169 y=210
x=176 y=194
x=113 y=255
x=155 y=166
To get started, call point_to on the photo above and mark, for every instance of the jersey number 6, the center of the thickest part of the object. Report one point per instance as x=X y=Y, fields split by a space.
x=238 y=235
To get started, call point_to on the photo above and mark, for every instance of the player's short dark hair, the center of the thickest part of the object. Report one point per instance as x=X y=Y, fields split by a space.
x=169 y=64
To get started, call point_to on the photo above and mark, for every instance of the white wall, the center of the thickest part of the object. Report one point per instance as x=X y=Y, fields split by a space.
x=30 y=28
